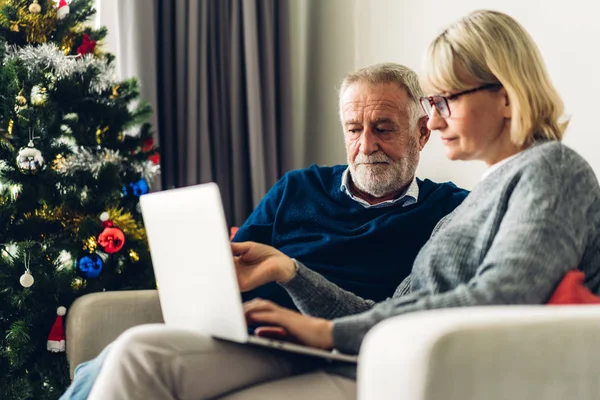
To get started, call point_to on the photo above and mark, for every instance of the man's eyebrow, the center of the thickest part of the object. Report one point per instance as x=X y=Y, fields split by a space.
x=352 y=122
x=384 y=121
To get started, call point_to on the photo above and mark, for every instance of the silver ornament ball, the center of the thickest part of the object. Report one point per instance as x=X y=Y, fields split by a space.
x=30 y=160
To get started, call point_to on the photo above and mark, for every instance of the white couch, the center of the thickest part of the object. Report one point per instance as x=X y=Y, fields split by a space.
x=490 y=353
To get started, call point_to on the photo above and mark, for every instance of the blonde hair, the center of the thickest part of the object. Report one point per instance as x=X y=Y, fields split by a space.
x=400 y=75
x=491 y=47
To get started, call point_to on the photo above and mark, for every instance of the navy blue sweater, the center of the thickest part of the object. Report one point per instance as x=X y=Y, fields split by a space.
x=367 y=251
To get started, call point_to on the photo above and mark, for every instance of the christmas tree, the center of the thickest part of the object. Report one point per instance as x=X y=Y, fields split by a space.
x=76 y=153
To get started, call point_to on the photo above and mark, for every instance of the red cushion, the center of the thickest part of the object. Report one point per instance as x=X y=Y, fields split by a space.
x=232 y=231
x=571 y=290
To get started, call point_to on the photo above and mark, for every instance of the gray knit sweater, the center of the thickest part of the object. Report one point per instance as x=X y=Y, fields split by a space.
x=510 y=242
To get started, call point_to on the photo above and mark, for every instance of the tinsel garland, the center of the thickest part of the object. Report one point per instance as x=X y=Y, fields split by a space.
x=49 y=58
x=38 y=28
x=125 y=221
x=93 y=161
x=68 y=41
x=8 y=192
x=72 y=221
x=9 y=251
x=67 y=219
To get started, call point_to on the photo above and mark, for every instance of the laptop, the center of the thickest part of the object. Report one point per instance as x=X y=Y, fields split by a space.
x=193 y=265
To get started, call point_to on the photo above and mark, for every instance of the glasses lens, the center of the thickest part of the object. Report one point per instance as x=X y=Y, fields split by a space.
x=442 y=106
x=427 y=107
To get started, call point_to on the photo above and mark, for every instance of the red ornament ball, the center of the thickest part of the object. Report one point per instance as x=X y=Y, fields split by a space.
x=111 y=239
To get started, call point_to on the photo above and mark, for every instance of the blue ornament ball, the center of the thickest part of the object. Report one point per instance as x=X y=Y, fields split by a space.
x=89 y=266
x=136 y=189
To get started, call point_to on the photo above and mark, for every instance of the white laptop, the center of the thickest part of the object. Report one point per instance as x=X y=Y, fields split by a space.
x=193 y=264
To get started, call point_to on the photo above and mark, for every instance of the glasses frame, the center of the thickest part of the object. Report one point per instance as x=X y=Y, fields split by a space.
x=432 y=100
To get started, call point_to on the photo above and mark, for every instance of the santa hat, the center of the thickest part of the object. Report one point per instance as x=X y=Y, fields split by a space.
x=63 y=9
x=56 y=338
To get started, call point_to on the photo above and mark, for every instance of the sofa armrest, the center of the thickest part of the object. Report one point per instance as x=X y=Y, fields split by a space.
x=492 y=353
x=96 y=319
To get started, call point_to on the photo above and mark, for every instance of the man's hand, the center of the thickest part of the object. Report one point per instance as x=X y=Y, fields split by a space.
x=311 y=331
x=258 y=264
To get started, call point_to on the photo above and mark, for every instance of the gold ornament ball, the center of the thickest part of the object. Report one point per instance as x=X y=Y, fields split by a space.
x=35 y=8
x=21 y=100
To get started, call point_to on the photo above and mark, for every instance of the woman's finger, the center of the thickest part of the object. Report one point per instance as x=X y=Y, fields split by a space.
x=238 y=262
x=241 y=248
x=258 y=304
x=259 y=308
x=274 y=332
x=261 y=316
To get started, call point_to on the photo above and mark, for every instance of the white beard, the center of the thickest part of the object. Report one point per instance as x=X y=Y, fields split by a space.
x=378 y=175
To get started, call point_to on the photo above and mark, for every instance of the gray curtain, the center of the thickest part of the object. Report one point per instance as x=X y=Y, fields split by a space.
x=224 y=101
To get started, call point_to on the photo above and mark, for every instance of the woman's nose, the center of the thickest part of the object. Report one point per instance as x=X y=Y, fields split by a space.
x=435 y=121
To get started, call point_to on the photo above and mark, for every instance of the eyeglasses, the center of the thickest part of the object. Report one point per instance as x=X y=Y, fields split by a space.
x=441 y=102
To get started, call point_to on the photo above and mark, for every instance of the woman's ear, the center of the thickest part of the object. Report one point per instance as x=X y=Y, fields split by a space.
x=424 y=132
x=506 y=106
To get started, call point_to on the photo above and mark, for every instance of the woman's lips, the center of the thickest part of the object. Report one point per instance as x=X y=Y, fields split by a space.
x=448 y=140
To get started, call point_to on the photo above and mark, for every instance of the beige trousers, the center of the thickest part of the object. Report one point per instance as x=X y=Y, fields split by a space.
x=157 y=362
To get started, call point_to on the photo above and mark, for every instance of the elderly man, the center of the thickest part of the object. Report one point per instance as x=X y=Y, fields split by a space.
x=359 y=225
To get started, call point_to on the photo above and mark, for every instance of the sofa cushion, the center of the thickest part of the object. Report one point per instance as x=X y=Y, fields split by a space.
x=572 y=290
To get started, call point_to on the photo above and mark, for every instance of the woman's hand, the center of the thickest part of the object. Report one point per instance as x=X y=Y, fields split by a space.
x=258 y=264
x=310 y=331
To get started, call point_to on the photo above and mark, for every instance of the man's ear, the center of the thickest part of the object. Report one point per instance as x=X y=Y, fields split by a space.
x=424 y=133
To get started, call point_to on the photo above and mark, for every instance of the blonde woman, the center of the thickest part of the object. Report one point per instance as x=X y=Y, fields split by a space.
x=534 y=216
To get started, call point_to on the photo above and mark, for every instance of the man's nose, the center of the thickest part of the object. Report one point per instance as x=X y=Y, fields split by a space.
x=435 y=121
x=368 y=142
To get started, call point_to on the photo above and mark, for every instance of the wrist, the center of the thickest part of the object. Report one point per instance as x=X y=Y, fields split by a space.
x=327 y=334
x=287 y=270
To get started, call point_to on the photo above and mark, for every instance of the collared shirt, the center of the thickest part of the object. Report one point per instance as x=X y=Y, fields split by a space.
x=408 y=197
x=497 y=165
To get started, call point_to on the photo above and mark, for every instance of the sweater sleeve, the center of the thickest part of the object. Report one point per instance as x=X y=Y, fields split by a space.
x=541 y=236
x=314 y=295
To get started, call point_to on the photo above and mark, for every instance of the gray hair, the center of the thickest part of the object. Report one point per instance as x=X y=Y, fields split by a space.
x=402 y=76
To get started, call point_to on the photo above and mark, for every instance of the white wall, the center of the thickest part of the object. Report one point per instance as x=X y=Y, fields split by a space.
x=130 y=38
x=363 y=32
x=329 y=53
